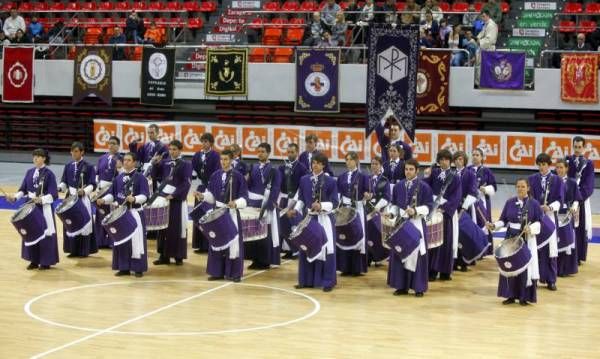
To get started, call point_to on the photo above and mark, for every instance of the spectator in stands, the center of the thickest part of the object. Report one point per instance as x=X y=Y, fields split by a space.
x=494 y=9
x=486 y=39
x=134 y=27
x=411 y=13
x=316 y=31
x=456 y=40
x=387 y=13
x=328 y=40
x=436 y=11
x=329 y=13
x=13 y=23
x=35 y=30
x=116 y=39
x=3 y=39
x=595 y=38
x=470 y=44
x=366 y=14
x=55 y=33
x=445 y=30
x=424 y=39
x=430 y=28
x=338 y=30
x=352 y=12
x=153 y=35
x=20 y=38
x=581 y=45
x=470 y=17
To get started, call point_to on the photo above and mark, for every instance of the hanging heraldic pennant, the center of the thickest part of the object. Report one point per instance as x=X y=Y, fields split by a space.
x=17 y=75
x=93 y=74
x=433 y=80
x=392 y=76
x=317 y=80
x=158 y=68
x=226 y=72
x=502 y=70
x=579 y=78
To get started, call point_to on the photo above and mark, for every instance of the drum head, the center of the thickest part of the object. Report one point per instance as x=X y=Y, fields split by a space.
x=213 y=215
x=509 y=247
x=159 y=202
x=67 y=203
x=22 y=212
x=99 y=194
x=114 y=215
x=344 y=215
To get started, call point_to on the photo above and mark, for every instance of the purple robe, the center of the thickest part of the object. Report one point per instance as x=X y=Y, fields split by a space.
x=516 y=287
x=318 y=273
x=204 y=165
x=79 y=175
x=441 y=259
x=44 y=252
x=351 y=193
x=306 y=157
x=106 y=169
x=394 y=171
x=219 y=263
x=485 y=177
x=398 y=276
x=381 y=189
x=240 y=166
x=385 y=143
x=553 y=197
x=148 y=150
x=567 y=259
x=469 y=193
x=582 y=170
x=264 y=251
x=136 y=184
x=175 y=177
x=290 y=174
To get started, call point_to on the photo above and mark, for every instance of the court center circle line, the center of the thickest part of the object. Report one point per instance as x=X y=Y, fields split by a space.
x=30 y=313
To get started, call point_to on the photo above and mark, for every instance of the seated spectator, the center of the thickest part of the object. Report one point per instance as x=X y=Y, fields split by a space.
x=35 y=30
x=316 y=30
x=430 y=27
x=3 y=39
x=327 y=40
x=387 y=12
x=470 y=44
x=329 y=13
x=410 y=15
x=445 y=29
x=338 y=31
x=153 y=35
x=436 y=11
x=494 y=9
x=134 y=27
x=54 y=34
x=581 y=45
x=424 y=39
x=595 y=38
x=366 y=14
x=455 y=40
x=352 y=12
x=116 y=39
x=20 y=38
x=13 y=23
x=470 y=17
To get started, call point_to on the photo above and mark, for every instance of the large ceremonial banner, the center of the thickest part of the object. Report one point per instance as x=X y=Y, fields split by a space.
x=93 y=74
x=433 y=78
x=317 y=80
x=502 y=70
x=158 y=68
x=17 y=74
x=579 y=78
x=226 y=72
x=392 y=76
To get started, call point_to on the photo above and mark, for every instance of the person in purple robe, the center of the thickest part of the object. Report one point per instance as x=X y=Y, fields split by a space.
x=447 y=192
x=290 y=172
x=567 y=251
x=377 y=197
x=311 y=149
x=521 y=215
x=317 y=197
x=264 y=184
x=548 y=189
x=486 y=184
x=582 y=170
x=204 y=163
x=39 y=185
x=469 y=193
x=175 y=177
x=79 y=179
x=351 y=258
x=226 y=188
x=238 y=163
x=411 y=201
x=393 y=169
x=147 y=151
x=130 y=188
x=107 y=169
x=391 y=136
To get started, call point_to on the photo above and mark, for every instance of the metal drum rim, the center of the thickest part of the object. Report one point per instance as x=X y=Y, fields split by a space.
x=27 y=208
x=521 y=244
x=67 y=204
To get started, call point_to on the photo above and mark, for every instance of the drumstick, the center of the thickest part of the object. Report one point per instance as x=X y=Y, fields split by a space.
x=481 y=214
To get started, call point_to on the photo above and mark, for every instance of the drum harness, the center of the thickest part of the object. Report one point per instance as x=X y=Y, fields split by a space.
x=438 y=200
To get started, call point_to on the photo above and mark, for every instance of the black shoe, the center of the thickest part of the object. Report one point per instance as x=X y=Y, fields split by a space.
x=253 y=265
x=419 y=294
x=432 y=276
x=464 y=268
x=122 y=272
x=523 y=302
x=211 y=278
x=161 y=261
x=298 y=286
x=44 y=267
x=198 y=251
x=288 y=255
x=327 y=289
x=178 y=262
x=139 y=274
x=508 y=301
x=552 y=286
x=72 y=255
x=401 y=292
x=378 y=264
x=445 y=276
x=236 y=280
x=32 y=266
x=345 y=274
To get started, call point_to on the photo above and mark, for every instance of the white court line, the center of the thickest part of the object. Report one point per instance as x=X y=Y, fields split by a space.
x=132 y=320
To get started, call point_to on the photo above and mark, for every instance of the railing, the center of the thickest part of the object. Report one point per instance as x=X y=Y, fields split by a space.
x=552 y=52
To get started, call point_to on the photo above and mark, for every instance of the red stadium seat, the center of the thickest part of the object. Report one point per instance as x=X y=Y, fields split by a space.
x=460 y=7
x=505 y=7
x=283 y=54
x=140 y=5
x=444 y=6
x=123 y=5
x=40 y=6
x=290 y=6
x=293 y=36
x=73 y=6
x=25 y=7
x=208 y=6
x=259 y=54
x=195 y=23
x=298 y=21
x=587 y=26
x=478 y=6
x=173 y=5
x=88 y=6
x=573 y=8
x=592 y=8
x=566 y=26
x=106 y=5
x=278 y=23
x=271 y=6
x=9 y=5
x=272 y=36
x=257 y=23
x=191 y=6
x=400 y=6
x=308 y=5
x=343 y=5
x=156 y=6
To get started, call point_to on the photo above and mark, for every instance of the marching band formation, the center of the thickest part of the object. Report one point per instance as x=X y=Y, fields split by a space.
x=423 y=227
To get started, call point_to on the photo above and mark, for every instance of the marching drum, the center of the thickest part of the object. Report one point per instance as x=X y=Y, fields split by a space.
x=105 y=208
x=472 y=240
x=309 y=236
x=547 y=227
x=119 y=224
x=348 y=226
x=387 y=226
x=218 y=227
x=435 y=230
x=404 y=240
x=197 y=212
x=29 y=222
x=377 y=224
x=253 y=228
x=565 y=234
x=513 y=257
x=157 y=214
x=73 y=214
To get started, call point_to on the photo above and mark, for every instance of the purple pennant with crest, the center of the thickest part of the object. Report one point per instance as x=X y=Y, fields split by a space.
x=392 y=76
x=317 y=80
x=502 y=70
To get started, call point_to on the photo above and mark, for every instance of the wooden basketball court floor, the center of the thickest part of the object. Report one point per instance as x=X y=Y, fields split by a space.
x=79 y=309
